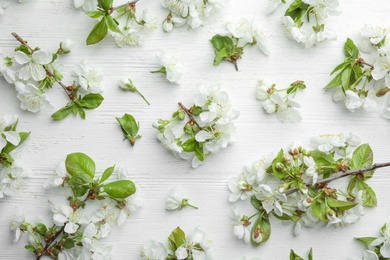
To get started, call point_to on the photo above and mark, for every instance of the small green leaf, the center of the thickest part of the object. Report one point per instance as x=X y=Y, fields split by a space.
x=91 y=101
x=80 y=191
x=30 y=248
x=351 y=185
x=80 y=163
x=94 y=14
x=368 y=194
x=367 y=240
x=262 y=227
x=345 y=78
x=221 y=55
x=363 y=157
x=129 y=127
x=349 y=47
x=98 y=32
x=256 y=203
x=10 y=147
x=279 y=159
x=120 y=189
x=105 y=4
x=336 y=81
x=113 y=24
x=310 y=256
x=341 y=66
x=80 y=179
x=81 y=112
x=176 y=239
x=190 y=145
x=339 y=204
x=219 y=42
x=63 y=112
x=294 y=256
x=41 y=228
x=319 y=208
x=69 y=243
x=107 y=173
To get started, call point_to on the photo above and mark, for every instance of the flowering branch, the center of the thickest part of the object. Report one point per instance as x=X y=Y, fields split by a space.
x=188 y=112
x=48 y=72
x=342 y=174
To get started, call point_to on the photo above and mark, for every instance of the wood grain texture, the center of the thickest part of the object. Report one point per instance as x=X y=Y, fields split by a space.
x=155 y=171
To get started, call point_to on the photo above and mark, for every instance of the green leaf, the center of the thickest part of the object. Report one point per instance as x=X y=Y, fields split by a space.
x=80 y=191
x=336 y=81
x=199 y=152
x=221 y=55
x=262 y=223
x=367 y=240
x=345 y=78
x=294 y=256
x=278 y=159
x=190 y=145
x=351 y=185
x=340 y=66
x=120 y=189
x=91 y=101
x=81 y=112
x=41 y=228
x=176 y=239
x=363 y=157
x=69 y=243
x=106 y=174
x=94 y=14
x=310 y=256
x=10 y=147
x=319 y=208
x=129 y=127
x=113 y=24
x=256 y=203
x=98 y=32
x=80 y=163
x=30 y=248
x=105 y=4
x=63 y=112
x=80 y=179
x=349 y=47
x=368 y=194
x=339 y=204
x=219 y=42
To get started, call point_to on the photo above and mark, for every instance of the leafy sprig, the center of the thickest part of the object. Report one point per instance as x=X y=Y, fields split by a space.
x=129 y=127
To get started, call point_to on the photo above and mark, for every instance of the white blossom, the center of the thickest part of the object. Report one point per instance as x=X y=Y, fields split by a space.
x=57 y=179
x=33 y=65
x=88 y=77
x=176 y=199
x=31 y=97
x=241 y=225
x=5 y=70
x=13 y=178
x=153 y=250
x=342 y=142
x=294 y=32
x=384 y=240
x=382 y=69
x=86 y=5
x=17 y=220
x=7 y=121
x=375 y=34
x=66 y=46
x=270 y=199
x=172 y=67
x=64 y=215
x=323 y=8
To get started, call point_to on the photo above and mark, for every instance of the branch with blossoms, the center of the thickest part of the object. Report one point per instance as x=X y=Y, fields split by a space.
x=284 y=107
x=12 y=171
x=122 y=22
x=74 y=231
x=304 y=20
x=180 y=246
x=194 y=13
x=294 y=186
x=200 y=130
x=362 y=80
x=33 y=72
x=229 y=45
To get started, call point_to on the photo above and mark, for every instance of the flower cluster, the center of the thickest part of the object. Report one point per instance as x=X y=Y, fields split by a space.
x=208 y=129
x=195 y=246
x=293 y=186
x=127 y=28
x=33 y=72
x=284 y=107
x=193 y=13
x=12 y=172
x=229 y=45
x=171 y=66
x=92 y=209
x=358 y=83
x=298 y=20
x=4 y=4
x=378 y=247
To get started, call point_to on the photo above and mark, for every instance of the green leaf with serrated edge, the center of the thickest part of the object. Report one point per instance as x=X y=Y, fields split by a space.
x=219 y=42
x=176 y=239
x=69 y=243
x=349 y=47
x=30 y=248
x=80 y=179
x=340 y=67
x=339 y=204
x=63 y=112
x=345 y=78
x=94 y=14
x=112 y=24
x=98 y=32
x=294 y=256
x=105 y=4
x=10 y=147
x=41 y=228
x=91 y=101
x=336 y=81
x=263 y=223
x=190 y=145
x=362 y=157
x=120 y=189
x=368 y=194
x=351 y=185
x=221 y=55
x=107 y=173
x=367 y=240
x=80 y=163
x=310 y=256
x=319 y=208
x=278 y=159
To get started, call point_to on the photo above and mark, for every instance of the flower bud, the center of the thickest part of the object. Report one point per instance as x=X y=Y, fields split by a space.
x=57 y=75
x=167 y=25
x=280 y=167
x=181 y=115
x=66 y=46
x=127 y=84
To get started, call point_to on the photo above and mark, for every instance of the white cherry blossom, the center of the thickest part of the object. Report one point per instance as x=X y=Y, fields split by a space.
x=31 y=97
x=33 y=64
x=153 y=250
x=172 y=67
x=88 y=77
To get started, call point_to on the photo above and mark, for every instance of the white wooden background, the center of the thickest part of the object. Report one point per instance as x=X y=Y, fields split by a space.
x=45 y=23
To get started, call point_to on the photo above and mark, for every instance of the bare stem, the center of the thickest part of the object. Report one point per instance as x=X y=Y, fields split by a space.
x=235 y=64
x=48 y=72
x=342 y=175
x=190 y=115
x=48 y=244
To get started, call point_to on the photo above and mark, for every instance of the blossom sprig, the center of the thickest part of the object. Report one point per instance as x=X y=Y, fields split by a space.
x=122 y=22
x=304 y=20
x=127 y=84
x=129 y=127
x=73 y=231
x=176 y=200
x=194 y=246
x=203 y=129
x=378 y=248
x=358 y=83
x=294 y=185
x=171 y=66
x=284 y=107
x=12 y=172
x=33 y=72
x=193 y=13
x=230 y=44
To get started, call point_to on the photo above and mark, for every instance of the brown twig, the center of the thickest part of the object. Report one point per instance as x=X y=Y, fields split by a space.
x=48 y=72
x=342 y=175
x=190 y=115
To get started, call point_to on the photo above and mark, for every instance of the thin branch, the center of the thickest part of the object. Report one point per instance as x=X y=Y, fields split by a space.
x=190 y=115
x=48 y=72
x=342 y=175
